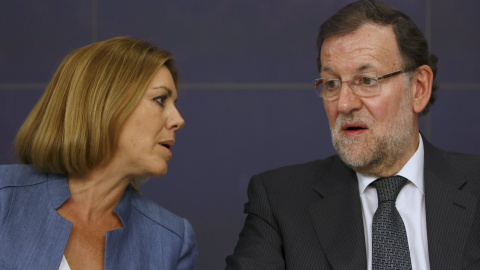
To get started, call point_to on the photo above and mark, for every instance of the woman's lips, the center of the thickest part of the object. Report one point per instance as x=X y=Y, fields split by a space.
x=167 y=145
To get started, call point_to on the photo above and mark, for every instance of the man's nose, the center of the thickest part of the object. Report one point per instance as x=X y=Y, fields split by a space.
x=348 y=100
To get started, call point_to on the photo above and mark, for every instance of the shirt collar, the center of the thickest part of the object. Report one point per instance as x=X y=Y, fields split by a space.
x=412 y=170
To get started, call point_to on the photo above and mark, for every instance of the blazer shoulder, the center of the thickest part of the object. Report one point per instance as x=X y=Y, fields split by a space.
x=299 y=178
x=467 y=165
x=17 y=175
x=304 y=170
x=435 y=156
x=470 y=159
x=161 y=216
x=463 y=170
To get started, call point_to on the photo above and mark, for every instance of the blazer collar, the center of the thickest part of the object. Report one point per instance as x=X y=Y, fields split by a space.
x=450 y=209
x=337 y=217
x=124 y=208
x=58 y=189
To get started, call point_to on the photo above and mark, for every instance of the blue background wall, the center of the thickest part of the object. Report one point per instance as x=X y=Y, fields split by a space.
x=246 y=70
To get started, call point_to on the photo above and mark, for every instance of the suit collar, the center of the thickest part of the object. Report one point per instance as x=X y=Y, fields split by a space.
x=337 y=218
x=335 y=178
x=449 y=209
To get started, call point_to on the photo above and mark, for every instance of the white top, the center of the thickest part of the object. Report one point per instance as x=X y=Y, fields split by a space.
x=64 y=264
x=410 y=204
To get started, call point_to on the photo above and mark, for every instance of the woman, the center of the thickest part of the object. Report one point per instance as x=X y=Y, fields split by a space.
x=106 y=121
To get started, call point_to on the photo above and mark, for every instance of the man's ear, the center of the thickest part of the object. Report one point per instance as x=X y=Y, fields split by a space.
x=422 y=87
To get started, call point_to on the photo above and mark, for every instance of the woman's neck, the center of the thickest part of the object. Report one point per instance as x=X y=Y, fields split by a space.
x=95 y=193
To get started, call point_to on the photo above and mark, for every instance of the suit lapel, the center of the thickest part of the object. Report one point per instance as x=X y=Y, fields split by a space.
x=449 y=210
x=337 y=218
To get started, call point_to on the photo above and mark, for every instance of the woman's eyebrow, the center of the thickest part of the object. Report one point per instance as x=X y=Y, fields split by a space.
x=169 y=91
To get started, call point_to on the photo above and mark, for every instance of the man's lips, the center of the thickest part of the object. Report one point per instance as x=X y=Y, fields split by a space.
x=352 y=130
x=353 y=127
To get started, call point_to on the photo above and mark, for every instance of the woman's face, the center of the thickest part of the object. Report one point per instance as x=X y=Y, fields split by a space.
x=145 y=141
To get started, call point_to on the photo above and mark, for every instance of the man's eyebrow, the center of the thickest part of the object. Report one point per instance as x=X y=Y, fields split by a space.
x=326 y=69
x=364 y=67
x=169 y=91
x=359 y=69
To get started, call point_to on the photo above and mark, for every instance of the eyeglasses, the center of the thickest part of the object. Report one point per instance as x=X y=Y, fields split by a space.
x=363 y=85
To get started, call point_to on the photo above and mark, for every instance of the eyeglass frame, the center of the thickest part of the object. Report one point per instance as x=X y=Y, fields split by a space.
x=320 y=80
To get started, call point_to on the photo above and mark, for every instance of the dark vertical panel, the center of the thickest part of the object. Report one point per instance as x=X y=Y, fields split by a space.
x=14 y=108
x=36 y=35
x=455 y=40
x=455 y=120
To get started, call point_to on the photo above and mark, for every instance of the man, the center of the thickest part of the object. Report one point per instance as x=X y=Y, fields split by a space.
x=376 y=79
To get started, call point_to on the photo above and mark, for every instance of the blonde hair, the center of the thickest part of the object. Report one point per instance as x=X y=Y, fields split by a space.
x=74 y=127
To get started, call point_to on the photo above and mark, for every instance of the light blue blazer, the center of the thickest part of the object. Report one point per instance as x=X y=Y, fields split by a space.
x=34 y=236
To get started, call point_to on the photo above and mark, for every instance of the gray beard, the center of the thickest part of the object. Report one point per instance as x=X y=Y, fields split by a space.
x=385 y=149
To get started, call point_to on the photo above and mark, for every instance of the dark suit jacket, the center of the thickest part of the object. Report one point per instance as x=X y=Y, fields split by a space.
x=309 y=216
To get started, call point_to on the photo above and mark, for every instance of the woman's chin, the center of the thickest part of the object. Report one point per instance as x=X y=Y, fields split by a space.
x=160 y=172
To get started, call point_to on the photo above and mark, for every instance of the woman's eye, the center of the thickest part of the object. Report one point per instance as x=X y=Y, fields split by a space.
x=160 y=100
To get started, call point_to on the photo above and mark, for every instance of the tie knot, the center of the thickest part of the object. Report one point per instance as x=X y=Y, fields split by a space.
x=389 y=187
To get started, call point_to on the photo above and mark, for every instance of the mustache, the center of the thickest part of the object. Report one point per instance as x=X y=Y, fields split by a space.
x=352 y=118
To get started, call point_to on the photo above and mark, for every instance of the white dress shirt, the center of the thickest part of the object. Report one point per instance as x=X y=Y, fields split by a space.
x=64 y=264
x=410 y=204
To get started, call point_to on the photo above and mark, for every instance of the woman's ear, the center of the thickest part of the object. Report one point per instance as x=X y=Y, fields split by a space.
x=422 y=87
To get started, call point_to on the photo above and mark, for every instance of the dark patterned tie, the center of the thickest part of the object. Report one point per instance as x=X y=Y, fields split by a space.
x=389 y=237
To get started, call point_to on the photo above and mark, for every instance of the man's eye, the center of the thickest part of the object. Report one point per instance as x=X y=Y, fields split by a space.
x=367 y=81
x=331 y=84
x=160 y=100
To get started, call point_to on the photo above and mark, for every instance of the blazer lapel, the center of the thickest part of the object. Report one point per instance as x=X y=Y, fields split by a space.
x=337 y=218
x=449 y=210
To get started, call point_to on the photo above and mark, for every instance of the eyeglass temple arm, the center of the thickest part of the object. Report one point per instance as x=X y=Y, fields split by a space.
x=396 y=73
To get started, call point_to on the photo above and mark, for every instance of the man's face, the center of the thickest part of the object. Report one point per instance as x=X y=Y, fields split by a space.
x=373 y=135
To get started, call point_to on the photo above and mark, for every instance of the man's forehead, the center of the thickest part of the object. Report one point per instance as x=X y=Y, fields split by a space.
x=358 y=68
x=366 y=28
x=366 y=35
x=366 y=47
